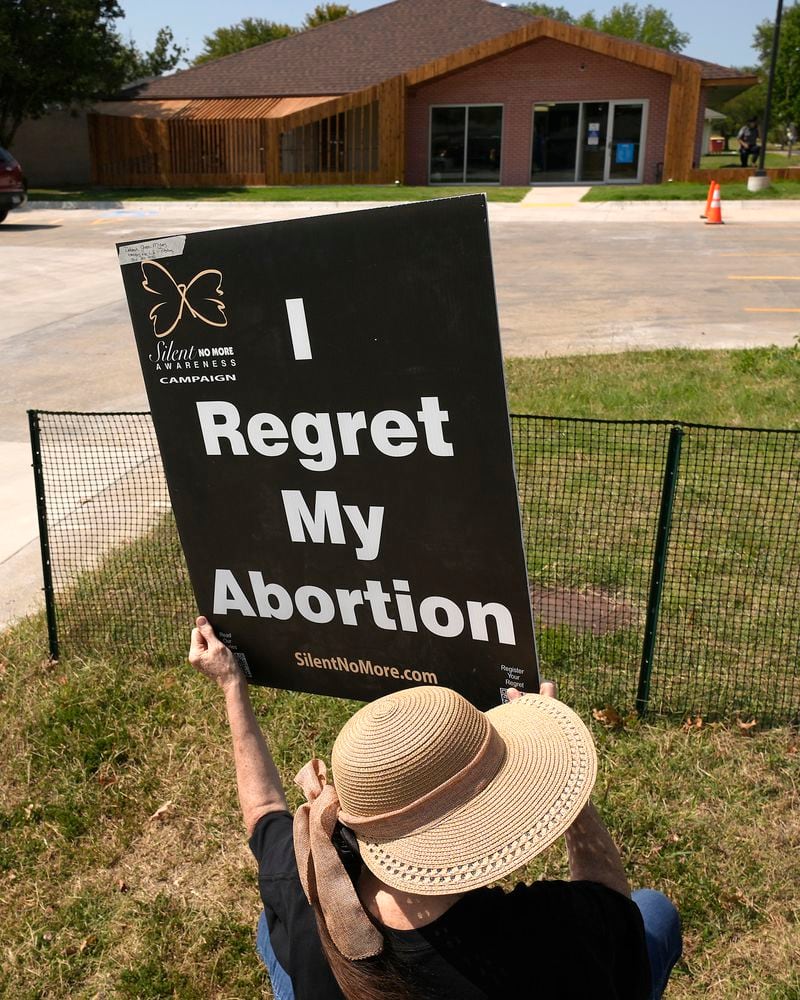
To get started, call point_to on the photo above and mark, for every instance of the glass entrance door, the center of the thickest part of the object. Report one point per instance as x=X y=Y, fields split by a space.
x=626 y=142
x=589 y=142
x=593 y=138
x=555 y=131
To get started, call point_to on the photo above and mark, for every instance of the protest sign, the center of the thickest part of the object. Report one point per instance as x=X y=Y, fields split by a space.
x=329 y=402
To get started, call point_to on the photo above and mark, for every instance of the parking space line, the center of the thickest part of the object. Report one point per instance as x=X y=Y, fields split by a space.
x=769 y=309
x=764 y=277
x=749 y=253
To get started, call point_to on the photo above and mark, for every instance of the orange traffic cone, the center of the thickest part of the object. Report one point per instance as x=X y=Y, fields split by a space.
x=715 y=208
x=708 y=199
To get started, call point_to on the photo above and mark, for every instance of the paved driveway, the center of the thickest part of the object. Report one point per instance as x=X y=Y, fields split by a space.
x=571 y=279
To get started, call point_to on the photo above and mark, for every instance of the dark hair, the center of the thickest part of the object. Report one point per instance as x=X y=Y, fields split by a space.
x=378 y=978
x=384 y=977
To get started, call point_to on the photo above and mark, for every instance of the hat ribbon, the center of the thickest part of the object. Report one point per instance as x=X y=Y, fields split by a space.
x=323 y=876
x=461 y=787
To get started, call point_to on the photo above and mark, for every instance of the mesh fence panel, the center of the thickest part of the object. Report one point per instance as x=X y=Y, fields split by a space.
x=589 y=496
x=117 y=567
x=727 y=641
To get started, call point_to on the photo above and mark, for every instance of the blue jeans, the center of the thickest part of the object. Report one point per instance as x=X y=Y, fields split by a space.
x=281 y=983
x=662 y=932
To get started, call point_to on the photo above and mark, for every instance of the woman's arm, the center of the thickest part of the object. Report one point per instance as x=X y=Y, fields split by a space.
x=592 y=853
x=257 y=779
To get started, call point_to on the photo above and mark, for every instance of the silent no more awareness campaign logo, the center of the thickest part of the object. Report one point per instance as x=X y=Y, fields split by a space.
x=201 y=297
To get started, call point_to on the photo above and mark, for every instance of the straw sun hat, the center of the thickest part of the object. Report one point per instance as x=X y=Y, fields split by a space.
x=443 y=798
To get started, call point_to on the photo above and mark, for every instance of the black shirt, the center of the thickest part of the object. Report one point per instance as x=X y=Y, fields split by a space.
x=549 y=940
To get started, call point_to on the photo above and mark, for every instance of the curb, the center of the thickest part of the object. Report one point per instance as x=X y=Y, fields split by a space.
x=199 y=204
x=753 y=211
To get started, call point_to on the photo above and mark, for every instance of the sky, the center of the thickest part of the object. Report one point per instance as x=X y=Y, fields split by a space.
x=721 y=30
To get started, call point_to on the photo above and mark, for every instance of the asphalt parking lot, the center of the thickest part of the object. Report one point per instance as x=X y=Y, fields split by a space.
x=571 y=279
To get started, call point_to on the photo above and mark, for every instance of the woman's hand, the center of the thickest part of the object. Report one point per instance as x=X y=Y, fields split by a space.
x=212 y=657
x=547 y=689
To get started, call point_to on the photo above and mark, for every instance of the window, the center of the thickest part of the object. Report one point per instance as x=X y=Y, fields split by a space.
x=465 y=144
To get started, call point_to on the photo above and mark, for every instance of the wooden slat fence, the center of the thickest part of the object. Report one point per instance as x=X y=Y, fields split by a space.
x=738 y=175
x=355 y=139
x=147 y=152
x=128 y=152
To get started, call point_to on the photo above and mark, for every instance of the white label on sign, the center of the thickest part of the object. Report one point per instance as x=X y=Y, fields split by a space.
x=593 y=141
x=169 y=246
x=594 y=126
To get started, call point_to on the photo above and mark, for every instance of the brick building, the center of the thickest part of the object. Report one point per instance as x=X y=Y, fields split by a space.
x=420 y=92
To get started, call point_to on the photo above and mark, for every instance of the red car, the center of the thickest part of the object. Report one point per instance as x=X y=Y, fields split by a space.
x=13 y=189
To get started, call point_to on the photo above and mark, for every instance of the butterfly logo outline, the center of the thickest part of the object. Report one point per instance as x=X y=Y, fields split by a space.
x=153 y=274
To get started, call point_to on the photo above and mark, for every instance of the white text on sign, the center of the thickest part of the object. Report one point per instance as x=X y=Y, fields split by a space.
x=392 y=432
x=326 y=521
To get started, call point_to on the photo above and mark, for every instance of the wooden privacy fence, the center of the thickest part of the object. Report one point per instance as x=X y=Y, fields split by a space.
x=355 y=139
x=737 y=175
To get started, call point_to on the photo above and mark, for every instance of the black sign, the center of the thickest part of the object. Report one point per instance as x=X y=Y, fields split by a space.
x=329 y=402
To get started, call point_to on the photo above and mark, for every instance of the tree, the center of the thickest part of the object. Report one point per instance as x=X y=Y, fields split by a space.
x=545 y=10
x=649 y=24
x=162 y=58
x=786 y=89
x=55 y=52
x=325 y=12
x=245 y=34
x=749 y=104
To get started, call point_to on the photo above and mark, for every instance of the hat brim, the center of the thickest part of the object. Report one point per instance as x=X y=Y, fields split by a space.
x=545 y=780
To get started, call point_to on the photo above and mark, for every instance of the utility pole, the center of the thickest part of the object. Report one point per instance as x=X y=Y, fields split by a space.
x=776 y=34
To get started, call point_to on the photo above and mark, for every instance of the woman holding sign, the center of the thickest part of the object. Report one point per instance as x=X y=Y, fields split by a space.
x=378 y=888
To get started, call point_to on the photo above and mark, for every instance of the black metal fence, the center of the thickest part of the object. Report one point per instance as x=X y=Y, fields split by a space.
x=664 y=558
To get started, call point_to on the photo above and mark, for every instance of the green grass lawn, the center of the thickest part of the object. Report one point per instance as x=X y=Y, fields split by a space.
x=99 y=898
x=671 y=191
x=689 y=191
x=753 y=388
x=344 y=192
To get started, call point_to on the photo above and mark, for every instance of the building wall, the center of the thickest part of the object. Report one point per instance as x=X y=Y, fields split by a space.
x=544 y=70
x=54 y=149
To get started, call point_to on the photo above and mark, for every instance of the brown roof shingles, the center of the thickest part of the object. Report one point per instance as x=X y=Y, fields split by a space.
x=344 y=55
x=352 y=53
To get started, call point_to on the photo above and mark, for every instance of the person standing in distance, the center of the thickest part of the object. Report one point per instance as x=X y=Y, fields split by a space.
x=748 y=136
